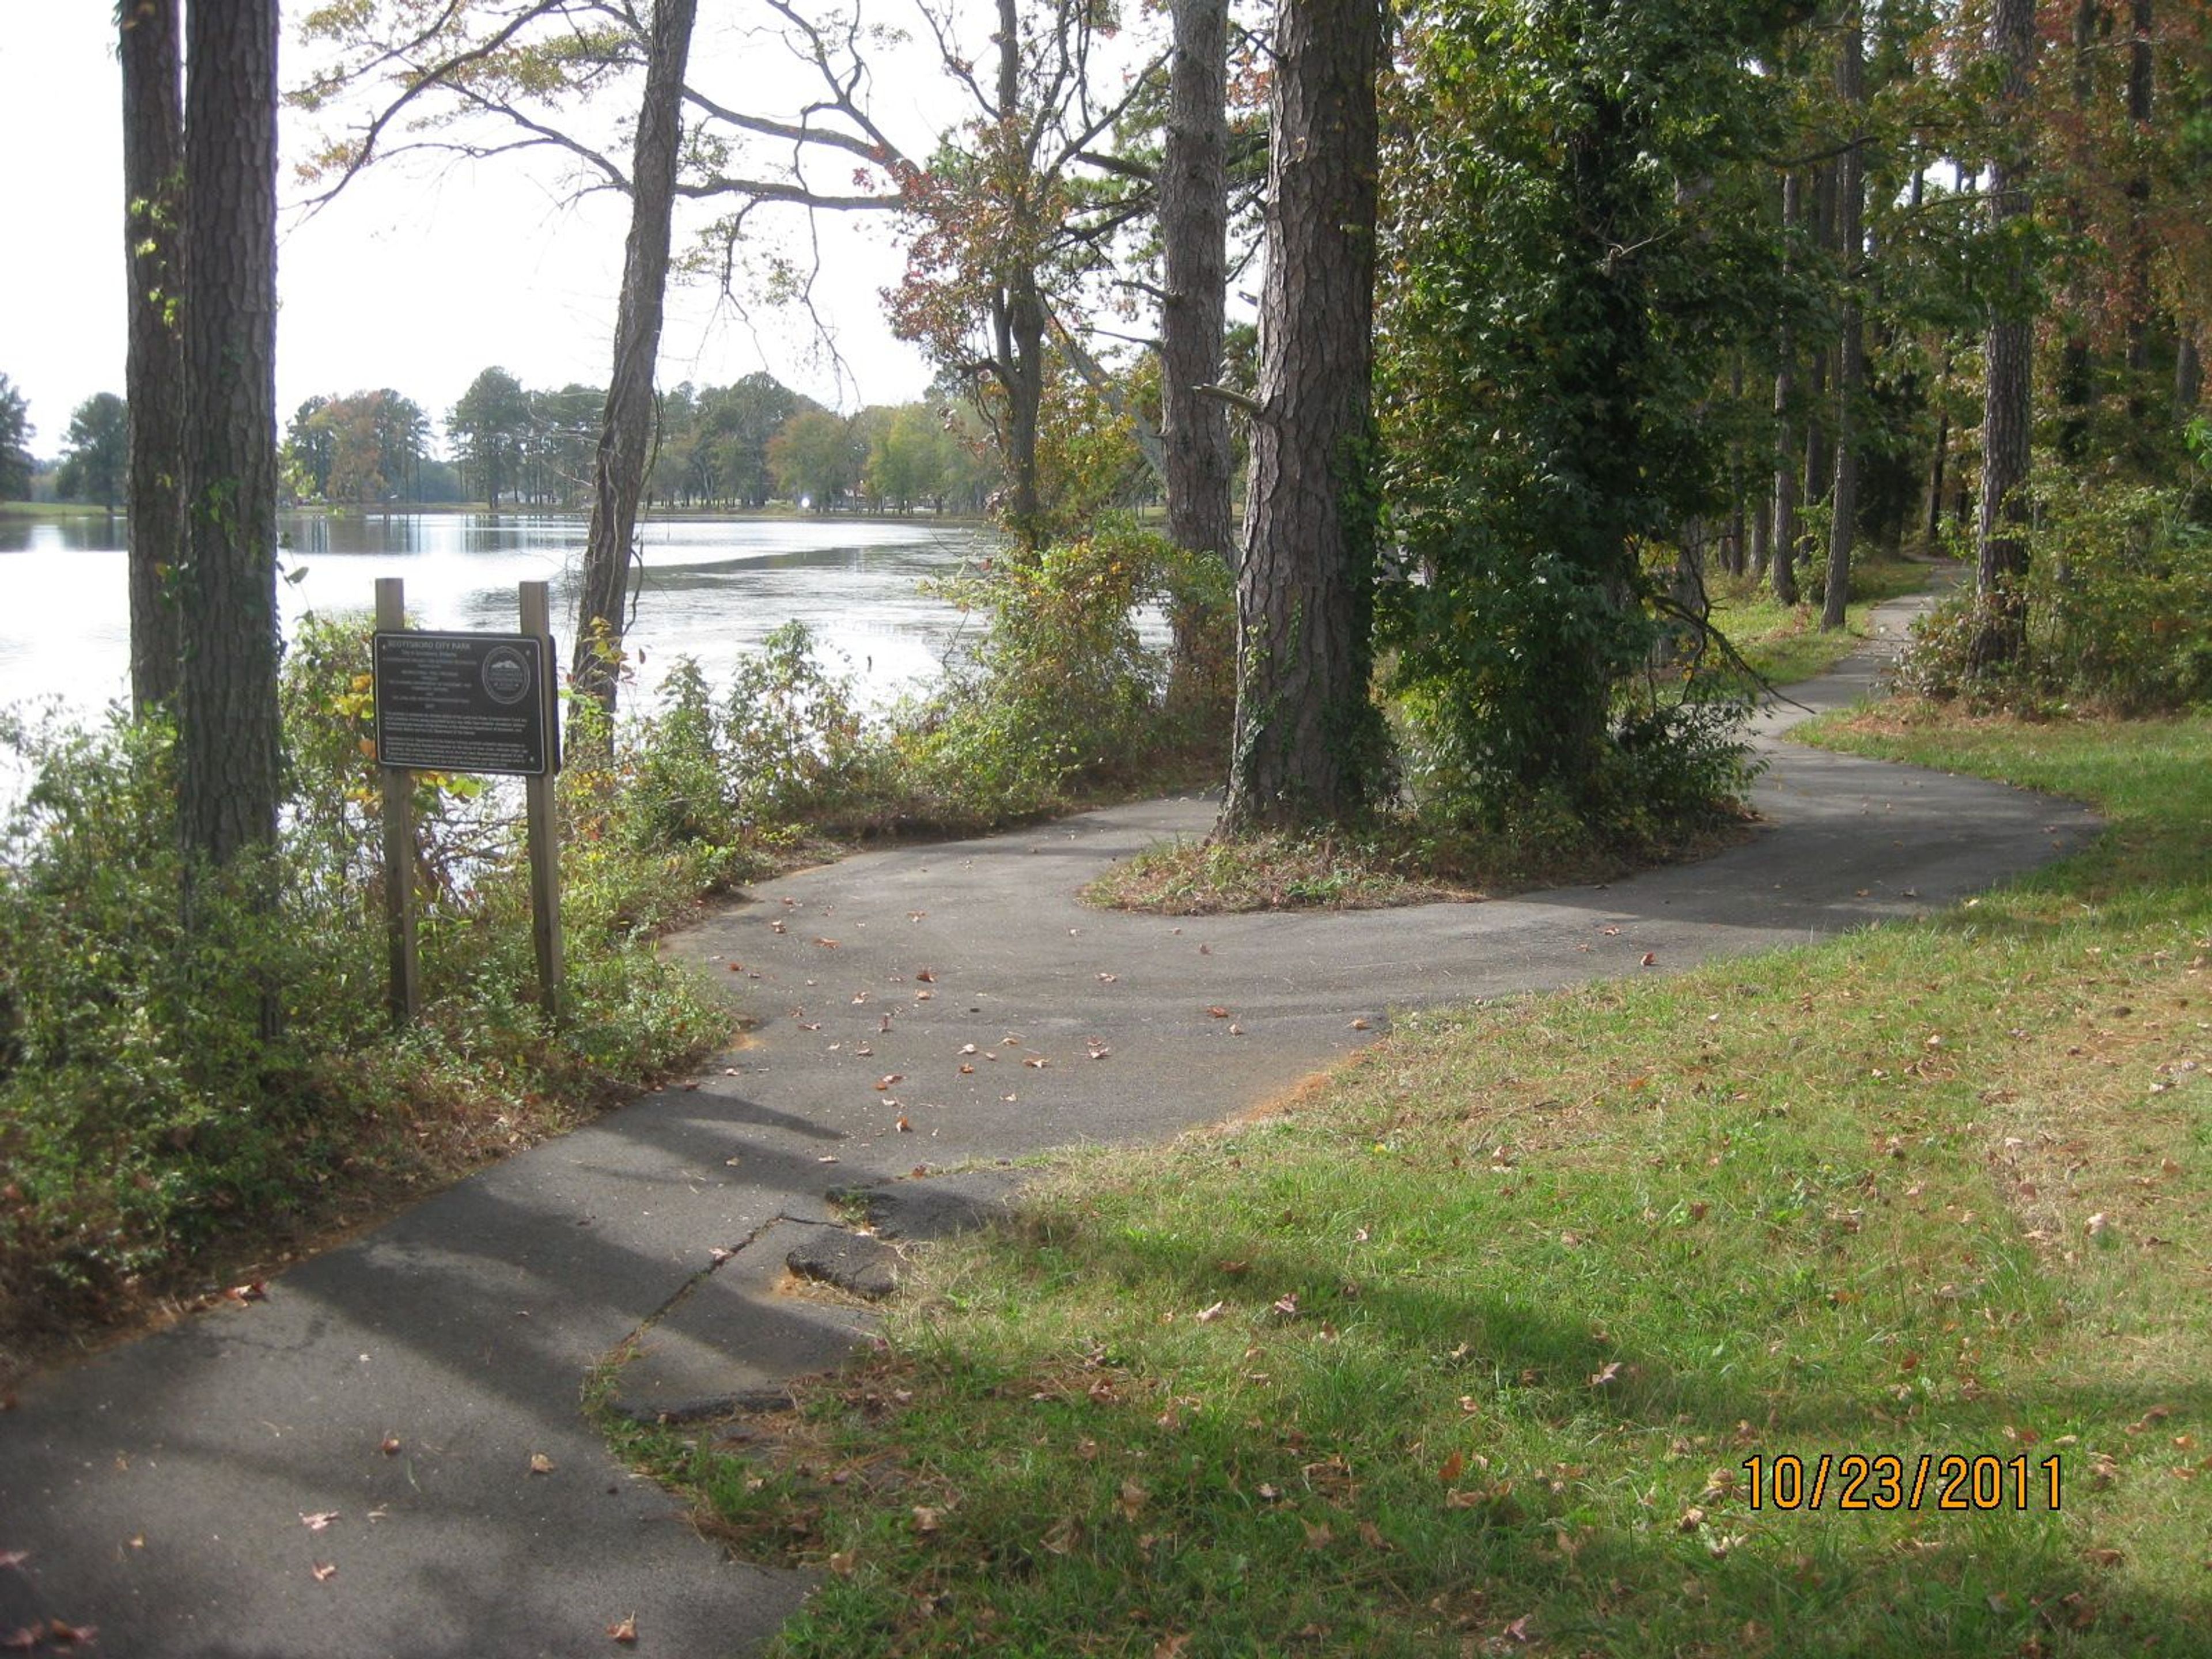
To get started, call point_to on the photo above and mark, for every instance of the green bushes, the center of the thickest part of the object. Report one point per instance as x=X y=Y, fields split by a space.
x=2118 y=602
x=1060 y=696
x=151 y=1115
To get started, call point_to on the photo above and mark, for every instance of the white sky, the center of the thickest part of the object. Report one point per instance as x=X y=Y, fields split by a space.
x=411 y=279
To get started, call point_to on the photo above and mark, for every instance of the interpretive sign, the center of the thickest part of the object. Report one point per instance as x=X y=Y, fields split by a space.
x=466 y=702
x=463 y=702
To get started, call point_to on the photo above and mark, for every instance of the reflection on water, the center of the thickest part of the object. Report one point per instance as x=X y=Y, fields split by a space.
x=709 y=589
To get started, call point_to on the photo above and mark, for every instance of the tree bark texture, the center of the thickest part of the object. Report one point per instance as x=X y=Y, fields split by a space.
x=230 y=744
x=1784 y=546
x=2075 y=383
x=626 y=424
x=1195 y=241
x=1850 y=350
x=2139 y=303
x=1939 y=455
x=1819 y=460
x=1017 y=308
x=2001 y=563
x=153 y=373
x=1308 y=740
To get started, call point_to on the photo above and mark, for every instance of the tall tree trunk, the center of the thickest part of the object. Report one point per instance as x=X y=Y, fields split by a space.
x=2141 y=82
x=2000 y=565
x=1736 y=557
x=1195 y=240
x=1939 y=456
x=2075 y=381
x=626 y=424
x=1851 y=355
x=2188 y=374
x=1308 y=738
x=1194 y=243
x=1819 y=460
x=153 y=373
x=1784 y=543
x=230 y=748
x=1017 y=308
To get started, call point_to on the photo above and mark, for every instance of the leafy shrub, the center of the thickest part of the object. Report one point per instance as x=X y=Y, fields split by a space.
x=2118 y=599
x=150 y=1104
x=1061 y=693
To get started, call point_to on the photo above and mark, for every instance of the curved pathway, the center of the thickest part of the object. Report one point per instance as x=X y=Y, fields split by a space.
x=167 y=1491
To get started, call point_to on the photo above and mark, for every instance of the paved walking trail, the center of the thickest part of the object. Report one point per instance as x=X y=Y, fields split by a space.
x=165 y=1492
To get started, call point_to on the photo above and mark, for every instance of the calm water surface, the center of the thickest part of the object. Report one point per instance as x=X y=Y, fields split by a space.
x=710 y=589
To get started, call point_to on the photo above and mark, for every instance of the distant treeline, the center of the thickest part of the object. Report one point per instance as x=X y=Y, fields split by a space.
x=741 y=446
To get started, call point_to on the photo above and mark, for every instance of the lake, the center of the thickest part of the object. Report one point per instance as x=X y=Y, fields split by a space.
x=710 y=589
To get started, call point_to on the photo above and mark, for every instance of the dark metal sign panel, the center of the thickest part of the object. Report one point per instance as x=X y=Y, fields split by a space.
x=464 y=702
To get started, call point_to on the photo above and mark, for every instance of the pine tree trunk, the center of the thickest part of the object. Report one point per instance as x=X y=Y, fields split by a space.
x=1939 y=457
x=1195 y=238
x=626 y=423
x=2138 y=301
x=1851 y=355
x=1784 y=548
x=1308 y=737
x=154 y=375
x=2075 y=384
x=230 y=747
x=2001 y=566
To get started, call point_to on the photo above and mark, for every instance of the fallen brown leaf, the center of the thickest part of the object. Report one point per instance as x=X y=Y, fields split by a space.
x=624 y=1631
x=540 y=1463
x=323 y=1571
x=320 y=1521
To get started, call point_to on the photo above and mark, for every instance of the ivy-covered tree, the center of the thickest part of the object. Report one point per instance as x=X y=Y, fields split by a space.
x=1571 y=278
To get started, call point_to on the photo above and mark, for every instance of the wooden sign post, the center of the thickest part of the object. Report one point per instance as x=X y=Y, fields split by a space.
x=467 y=702
x=399 y=787
x=544 y=827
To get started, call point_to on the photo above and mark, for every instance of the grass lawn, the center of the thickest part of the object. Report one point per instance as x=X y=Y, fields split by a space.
x=1532 y=1327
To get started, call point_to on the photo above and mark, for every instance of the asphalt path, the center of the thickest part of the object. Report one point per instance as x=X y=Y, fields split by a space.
x=232 y=1486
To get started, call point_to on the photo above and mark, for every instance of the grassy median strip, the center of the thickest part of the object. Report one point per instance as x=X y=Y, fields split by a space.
x=1582 y=1323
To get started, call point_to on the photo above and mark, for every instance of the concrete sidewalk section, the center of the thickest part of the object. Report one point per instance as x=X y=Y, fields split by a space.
x=232 y=1486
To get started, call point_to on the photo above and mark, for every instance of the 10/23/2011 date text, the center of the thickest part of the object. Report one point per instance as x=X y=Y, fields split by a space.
x=1952 y=1482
